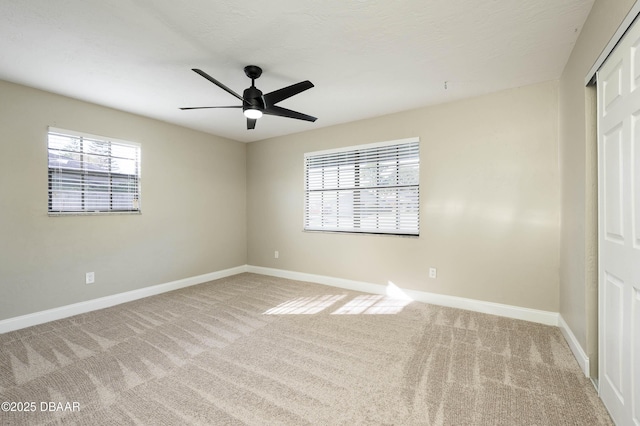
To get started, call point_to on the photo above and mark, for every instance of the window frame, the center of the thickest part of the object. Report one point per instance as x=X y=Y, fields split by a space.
x=83 y=174
x=353 y=230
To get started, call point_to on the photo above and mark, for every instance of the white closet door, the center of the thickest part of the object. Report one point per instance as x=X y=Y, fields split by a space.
x=619 y=229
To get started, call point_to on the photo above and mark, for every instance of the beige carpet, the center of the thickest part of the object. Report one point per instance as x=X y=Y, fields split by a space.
x=258 y=350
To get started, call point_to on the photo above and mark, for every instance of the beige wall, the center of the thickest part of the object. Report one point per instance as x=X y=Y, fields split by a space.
x=489 y=201
x=578 y=260
x=193 y=204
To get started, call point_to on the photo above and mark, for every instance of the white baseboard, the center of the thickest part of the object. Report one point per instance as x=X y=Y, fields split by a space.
x=107 y=301
x=516 y=312
x=509 y=311
x=578 y=352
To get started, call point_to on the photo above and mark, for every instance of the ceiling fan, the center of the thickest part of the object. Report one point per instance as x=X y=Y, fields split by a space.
x=255 y=104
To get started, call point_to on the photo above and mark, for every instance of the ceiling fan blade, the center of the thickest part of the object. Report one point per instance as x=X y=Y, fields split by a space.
x=251 y=123
x=230 y=106
x=276 y=96
x=283 y=112
x=217 y=83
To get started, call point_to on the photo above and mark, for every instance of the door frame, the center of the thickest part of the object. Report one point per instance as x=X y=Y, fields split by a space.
x=591 y=176
x=592 y=195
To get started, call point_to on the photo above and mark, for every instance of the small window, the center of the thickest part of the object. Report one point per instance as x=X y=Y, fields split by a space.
x=92 y=174
x=371 y=189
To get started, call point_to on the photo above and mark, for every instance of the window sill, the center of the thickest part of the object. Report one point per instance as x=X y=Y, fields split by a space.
x=58 y=214
x=371 y=234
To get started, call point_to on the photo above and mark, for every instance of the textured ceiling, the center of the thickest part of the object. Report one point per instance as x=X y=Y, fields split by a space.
x=365 y=57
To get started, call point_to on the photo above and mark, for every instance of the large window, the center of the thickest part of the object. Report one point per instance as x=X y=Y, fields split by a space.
x=370 y=189
x=91 y=174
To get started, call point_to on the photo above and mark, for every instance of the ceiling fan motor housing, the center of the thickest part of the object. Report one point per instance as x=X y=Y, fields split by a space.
x=252 y=98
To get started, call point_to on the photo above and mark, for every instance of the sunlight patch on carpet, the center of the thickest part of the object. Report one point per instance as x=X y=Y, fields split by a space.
x=305 y=305
x=372 y=304
x=366 y=304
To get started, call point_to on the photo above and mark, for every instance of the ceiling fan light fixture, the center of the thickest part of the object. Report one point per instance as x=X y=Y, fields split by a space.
x=253 y=113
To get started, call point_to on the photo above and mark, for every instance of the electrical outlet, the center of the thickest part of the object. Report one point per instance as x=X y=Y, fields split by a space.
x=90 y=277
x=276 y=254
x=433 y=273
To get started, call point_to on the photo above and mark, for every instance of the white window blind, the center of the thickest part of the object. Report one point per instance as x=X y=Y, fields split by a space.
x=91 y=174
x=368 y=189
